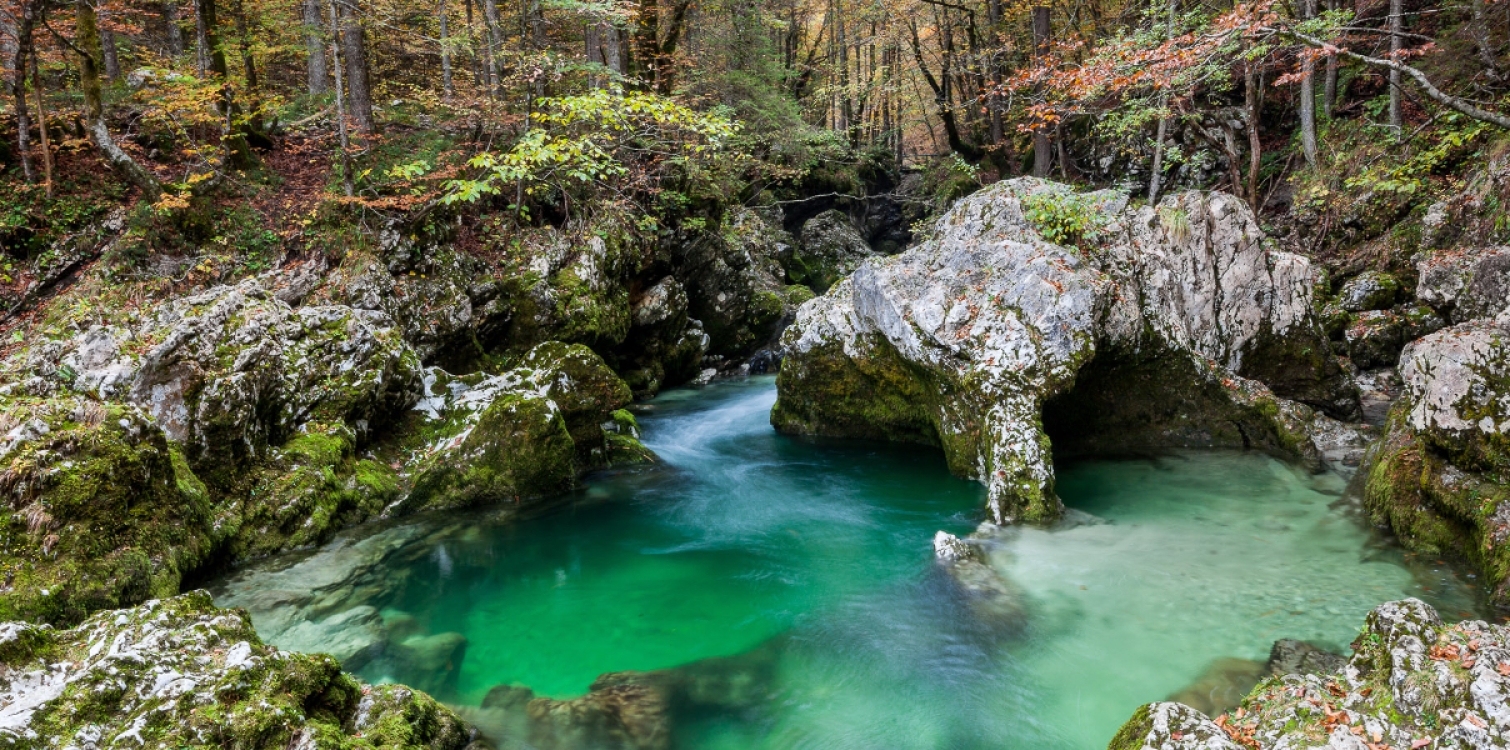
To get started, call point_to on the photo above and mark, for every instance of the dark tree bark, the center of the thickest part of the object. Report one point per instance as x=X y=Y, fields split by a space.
x=354 y=56
x=314 y=47
x=25 y=24
x=175 y=32
x=1042 y=154
x=111 y=54
x=244 y=31
x=939 y=85
x=1308 y=95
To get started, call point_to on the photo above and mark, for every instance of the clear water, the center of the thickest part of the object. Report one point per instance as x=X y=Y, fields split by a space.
x=815 y=557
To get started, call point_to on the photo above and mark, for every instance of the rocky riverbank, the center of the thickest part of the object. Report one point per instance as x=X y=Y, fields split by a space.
x=153 y=432
x=1411 y=682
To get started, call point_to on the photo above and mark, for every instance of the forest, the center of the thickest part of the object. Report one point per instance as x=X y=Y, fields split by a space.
x=550 y=109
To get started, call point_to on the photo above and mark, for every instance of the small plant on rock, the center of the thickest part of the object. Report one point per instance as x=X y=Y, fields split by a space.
x=1064 y=218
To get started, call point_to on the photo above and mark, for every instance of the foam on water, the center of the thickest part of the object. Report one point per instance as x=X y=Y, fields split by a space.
x=818 y=553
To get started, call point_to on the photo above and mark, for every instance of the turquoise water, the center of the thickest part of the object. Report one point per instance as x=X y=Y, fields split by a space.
x=812 y=561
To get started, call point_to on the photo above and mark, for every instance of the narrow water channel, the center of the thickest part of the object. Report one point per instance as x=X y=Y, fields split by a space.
x=810 y=562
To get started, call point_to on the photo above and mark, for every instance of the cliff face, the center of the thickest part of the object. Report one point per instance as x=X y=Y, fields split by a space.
x=1167 y=326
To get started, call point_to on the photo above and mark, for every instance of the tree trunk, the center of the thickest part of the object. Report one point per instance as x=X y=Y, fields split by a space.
x=1329 y=90
x=494 y=46
x=1308 y=94
x=447 y=86
x=175 y=32
x=25 y=22
x=88 y=39
x=314 y=48
x=1042 y=154
x=1251 y=101
x=1155 y=179
x=613 y=47
x=111 y=54
x=36 y=80
x=202 y=32
x=1480 y=27
x=248 y=62
x=340 y=97
x=354 y=56
x=1396 y=120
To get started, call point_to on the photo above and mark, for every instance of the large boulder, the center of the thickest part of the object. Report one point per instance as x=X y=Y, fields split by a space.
x=1439 y=476
x=101 y=509
x=234 y=371
x=830 y=249
x=1466 y=283
x=177 y=672
x=734 y=282
x=1412 y=682
x=1179 y=329
x=514 y=437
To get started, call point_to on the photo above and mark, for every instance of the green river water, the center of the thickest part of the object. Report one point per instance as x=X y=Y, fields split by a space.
x=812 y=560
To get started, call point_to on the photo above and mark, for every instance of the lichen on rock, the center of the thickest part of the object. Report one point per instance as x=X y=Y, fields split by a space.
x=180 y=673
x=962 y=341
x=1438 y=477
x=1411 y=682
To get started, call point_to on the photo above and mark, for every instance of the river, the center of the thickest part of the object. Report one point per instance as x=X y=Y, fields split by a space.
x=810 y=561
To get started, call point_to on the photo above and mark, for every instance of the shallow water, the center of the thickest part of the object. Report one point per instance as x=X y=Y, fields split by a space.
x=814 y=559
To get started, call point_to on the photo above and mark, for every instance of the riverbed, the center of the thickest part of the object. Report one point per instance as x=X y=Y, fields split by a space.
x=810 y=562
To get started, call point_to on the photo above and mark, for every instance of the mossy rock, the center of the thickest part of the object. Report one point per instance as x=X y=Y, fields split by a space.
x=519 y=450
x=105 y=511
x=311 y=487
x=225 y=688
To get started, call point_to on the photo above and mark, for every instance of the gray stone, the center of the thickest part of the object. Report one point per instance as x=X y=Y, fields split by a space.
x=1374 y=339
x=1466 y=283
x=1370 y=290
x=830 y=248
x=963 y=339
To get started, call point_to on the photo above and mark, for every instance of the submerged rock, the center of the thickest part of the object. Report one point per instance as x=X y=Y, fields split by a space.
x=1171 y=333
x=1289 y=656
x=640 y=710
x=989 y=594
x=181 y=673
x=1412 y=682
x=1222 y=686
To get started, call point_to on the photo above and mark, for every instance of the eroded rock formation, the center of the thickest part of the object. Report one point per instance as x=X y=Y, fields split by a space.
x=1177 y=327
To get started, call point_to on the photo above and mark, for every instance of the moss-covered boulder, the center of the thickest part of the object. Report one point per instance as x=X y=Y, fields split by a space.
x=1440 y=478
x=102 y=510
x=515 y=437
x=180 y=673
x=1412 y=682
x=829 y=249
x=1374 y=339
x=310 y=487
x=235 y=371
x=1181 y=329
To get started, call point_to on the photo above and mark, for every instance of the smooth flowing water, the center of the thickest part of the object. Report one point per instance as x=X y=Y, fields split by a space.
x=811 y=562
